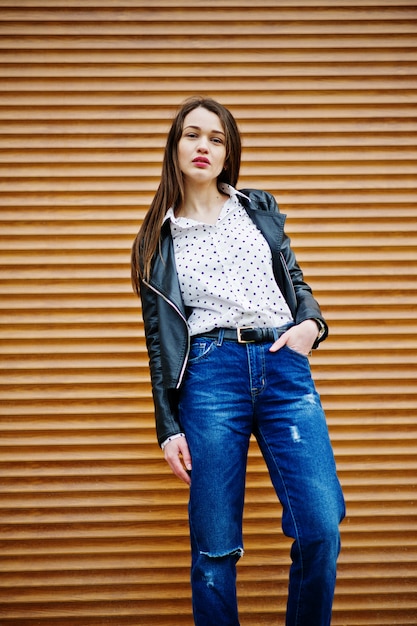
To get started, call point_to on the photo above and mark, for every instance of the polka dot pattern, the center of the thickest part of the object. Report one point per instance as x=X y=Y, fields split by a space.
x=225 y=271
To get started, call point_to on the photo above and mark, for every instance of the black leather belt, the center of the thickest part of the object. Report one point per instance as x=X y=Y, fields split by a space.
x=244 y=334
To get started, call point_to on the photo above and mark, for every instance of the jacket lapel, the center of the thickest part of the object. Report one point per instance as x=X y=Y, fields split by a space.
x=270 y=223
x=164 y=276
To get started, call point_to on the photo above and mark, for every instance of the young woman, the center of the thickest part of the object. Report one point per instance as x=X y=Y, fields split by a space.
x=229 y=324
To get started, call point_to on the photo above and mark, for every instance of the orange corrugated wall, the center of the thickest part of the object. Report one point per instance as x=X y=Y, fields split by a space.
x=93 y=527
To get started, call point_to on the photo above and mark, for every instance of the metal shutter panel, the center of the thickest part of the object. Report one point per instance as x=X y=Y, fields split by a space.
x=93 y=526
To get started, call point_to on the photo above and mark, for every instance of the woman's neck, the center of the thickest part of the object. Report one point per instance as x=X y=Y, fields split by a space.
x=202 y=203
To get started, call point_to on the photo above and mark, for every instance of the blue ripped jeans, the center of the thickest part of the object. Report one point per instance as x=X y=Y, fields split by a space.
x=230 y=391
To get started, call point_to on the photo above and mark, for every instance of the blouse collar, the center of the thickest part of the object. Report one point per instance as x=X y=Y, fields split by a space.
x=229 y=190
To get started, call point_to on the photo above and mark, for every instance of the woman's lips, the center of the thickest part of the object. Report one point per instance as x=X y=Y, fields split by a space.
x=201 y=162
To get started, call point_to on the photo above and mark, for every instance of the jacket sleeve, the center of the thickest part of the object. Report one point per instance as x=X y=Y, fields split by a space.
x=307 y=306
x=167 y=423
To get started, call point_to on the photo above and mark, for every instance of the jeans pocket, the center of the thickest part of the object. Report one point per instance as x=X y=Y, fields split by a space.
x=199 y=349
x=292 y=351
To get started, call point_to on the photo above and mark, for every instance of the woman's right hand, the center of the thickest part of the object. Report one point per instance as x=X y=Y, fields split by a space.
x=178 y=457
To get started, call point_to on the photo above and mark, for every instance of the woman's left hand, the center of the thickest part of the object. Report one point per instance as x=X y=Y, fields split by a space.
x=299 y=338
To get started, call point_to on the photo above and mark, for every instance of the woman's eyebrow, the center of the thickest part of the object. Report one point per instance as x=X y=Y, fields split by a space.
x=214 y=132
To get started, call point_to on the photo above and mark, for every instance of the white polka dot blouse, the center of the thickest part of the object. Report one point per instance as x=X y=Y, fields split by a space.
x=225 y=271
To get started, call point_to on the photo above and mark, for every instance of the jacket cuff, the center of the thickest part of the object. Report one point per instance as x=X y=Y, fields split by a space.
x=168 y=439
x=323 y=332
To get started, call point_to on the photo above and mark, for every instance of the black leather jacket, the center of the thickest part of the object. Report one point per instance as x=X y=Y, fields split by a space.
x=165 y=317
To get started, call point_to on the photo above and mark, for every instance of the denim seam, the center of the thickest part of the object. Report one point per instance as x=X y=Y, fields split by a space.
x=297 y=537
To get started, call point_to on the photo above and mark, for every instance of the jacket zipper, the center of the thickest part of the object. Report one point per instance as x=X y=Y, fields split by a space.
x=176 y=309
x=287 y=271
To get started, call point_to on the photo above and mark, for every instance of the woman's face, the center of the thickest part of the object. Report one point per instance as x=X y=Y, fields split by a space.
x=202 y=147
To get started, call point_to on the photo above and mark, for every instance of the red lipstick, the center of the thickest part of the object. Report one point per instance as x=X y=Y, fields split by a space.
x=202 y=161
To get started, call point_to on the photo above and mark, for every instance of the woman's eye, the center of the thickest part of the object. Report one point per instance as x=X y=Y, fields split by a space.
x=217 y=140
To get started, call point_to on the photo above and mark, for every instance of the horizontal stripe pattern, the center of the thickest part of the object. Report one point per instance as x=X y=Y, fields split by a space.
x=93 y=526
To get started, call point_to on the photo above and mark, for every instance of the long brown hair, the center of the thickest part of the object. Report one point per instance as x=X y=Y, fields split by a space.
x=170 y=192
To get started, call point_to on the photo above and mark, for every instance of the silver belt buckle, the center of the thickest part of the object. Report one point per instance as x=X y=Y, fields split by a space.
x=239 y=336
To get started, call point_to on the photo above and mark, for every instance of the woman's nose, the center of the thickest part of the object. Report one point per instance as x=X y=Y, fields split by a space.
x=203 y=145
